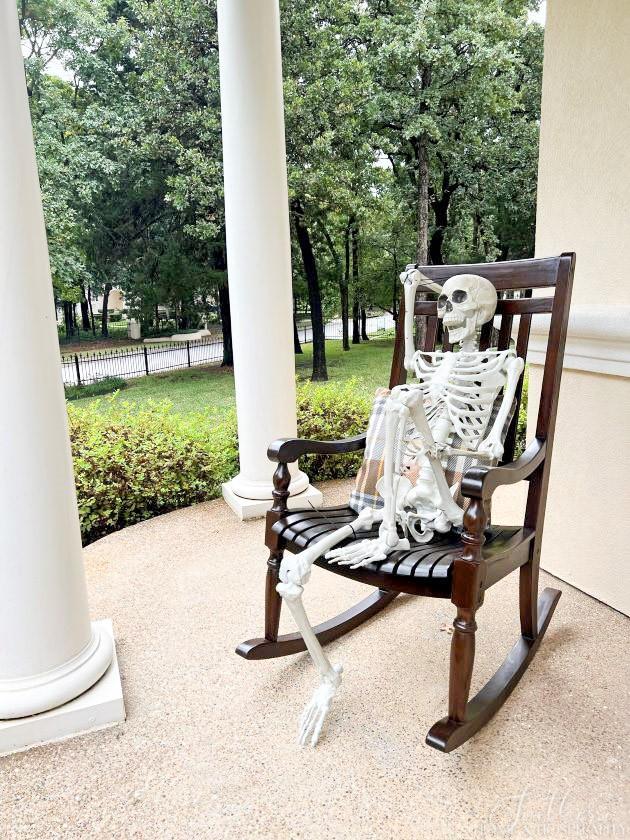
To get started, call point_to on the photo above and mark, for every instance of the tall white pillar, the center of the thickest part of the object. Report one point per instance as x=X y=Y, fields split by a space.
x=258 y=246
x=49 y=651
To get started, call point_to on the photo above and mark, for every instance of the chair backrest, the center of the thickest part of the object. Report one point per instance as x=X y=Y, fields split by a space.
x=514 y=282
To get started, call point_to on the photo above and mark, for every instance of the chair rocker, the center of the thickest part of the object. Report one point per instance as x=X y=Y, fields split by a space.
x=456 y=566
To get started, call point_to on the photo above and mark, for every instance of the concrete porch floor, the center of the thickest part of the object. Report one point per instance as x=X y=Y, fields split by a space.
x=208 y=749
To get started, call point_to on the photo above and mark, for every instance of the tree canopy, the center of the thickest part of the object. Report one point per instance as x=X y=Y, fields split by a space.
x=412 y=135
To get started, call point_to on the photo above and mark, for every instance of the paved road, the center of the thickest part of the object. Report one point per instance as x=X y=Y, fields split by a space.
x=129 y=364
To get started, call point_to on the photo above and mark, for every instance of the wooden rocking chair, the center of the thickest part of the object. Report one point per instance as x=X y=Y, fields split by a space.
x=457 y=567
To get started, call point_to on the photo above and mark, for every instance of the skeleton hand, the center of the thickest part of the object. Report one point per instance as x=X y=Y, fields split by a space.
x=492 y=447
x=315 y=713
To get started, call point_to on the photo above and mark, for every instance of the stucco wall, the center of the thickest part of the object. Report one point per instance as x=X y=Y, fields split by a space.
x=584 y=206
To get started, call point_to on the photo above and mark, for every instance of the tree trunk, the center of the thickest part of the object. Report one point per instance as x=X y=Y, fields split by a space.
x=105 y=315
x=422 y=185
x=67 y=318
x=320 y=372
x=440 y=206
x=85 y=312
x=356 y=330
x=343 y=273
x=226 y=325
x=356 y=320
x=364 y=335
x=89 y=295
x=297 y=347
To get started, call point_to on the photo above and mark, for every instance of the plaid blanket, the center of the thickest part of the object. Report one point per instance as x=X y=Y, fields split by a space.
x=365 y=493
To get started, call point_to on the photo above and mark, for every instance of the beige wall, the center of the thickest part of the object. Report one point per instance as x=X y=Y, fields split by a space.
x=584 y=171
x=584 y=206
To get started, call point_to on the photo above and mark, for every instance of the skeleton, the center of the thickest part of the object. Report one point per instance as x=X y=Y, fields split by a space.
x=454 y=395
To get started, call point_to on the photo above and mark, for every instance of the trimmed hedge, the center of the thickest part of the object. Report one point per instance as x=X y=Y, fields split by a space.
x=132 y=463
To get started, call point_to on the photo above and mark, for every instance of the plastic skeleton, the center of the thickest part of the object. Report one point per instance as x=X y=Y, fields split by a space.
x=454 y=396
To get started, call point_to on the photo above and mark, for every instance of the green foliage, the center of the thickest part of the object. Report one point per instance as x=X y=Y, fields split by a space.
x=139 y=457
x=96 y=389
x=521 y=428
x=330 y=412
x=134 y=463
x=129 y=143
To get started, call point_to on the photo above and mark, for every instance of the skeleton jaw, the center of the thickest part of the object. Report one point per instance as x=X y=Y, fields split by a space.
x=460 y=328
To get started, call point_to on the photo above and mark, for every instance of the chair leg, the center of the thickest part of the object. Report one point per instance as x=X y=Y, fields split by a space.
x=466 y=719
x=462 y=661
x=528 y=595
x=273 y=601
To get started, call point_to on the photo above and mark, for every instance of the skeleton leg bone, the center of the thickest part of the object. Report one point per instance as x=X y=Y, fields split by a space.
x=295 y=571
x=391 y=486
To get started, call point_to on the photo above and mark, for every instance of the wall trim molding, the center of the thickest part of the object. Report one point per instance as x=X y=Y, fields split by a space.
x=598 y=340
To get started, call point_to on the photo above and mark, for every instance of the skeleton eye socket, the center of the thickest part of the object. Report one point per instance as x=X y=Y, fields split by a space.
x=441 y=301
x=459 y=296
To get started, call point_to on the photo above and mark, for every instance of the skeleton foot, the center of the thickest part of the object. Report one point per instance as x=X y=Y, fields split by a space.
x=367 y=551
x=314 y=714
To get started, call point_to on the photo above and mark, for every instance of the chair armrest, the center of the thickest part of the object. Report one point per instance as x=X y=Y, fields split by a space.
x=480 y=482
x=287 y=450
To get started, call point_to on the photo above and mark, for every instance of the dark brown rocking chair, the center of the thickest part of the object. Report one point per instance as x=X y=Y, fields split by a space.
x=457 y=567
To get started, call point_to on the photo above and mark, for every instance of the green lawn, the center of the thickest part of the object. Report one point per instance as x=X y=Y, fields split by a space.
x=199 y=388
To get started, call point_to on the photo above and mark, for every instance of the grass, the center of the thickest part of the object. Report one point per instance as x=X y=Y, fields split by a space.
x=194 y=389
x=96 y=389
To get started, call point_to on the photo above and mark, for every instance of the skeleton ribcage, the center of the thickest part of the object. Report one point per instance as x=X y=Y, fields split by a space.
x=465 y=393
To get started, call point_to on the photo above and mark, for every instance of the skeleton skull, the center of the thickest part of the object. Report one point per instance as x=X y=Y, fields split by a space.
x=466 y=303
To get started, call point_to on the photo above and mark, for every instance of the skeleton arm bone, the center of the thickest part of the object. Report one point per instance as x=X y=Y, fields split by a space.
x=419 y=418
x=411 y=279
x=492 y=444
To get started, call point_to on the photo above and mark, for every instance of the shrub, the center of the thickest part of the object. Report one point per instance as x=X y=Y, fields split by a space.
x=96 y=389
x=132 y=463
x=329 y=412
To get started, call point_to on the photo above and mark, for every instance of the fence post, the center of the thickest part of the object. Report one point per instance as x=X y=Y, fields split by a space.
x=188 y=352
x=78 y=367
x=146 y=360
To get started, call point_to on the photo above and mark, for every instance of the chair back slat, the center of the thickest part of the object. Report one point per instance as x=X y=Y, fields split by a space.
x=505 y=306
x=505 y=332
x=514 y=274
x=430 y=333
x=485 y=338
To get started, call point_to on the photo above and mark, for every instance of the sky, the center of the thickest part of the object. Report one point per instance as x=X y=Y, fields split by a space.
x=541 y=14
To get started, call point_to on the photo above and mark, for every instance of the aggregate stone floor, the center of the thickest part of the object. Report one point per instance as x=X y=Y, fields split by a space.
x=208 y=749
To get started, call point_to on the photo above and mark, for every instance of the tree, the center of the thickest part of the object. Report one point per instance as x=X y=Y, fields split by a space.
x=451 y=85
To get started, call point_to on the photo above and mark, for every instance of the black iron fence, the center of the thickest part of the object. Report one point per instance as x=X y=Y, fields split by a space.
x=148 y=358
x=131 y=362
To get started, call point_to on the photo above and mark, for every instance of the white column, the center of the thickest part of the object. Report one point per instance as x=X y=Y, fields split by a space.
x=49 y=651
x=258 y=244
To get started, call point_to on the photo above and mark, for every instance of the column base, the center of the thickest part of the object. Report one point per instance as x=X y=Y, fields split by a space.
x=100 y=706
x=255 y=508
